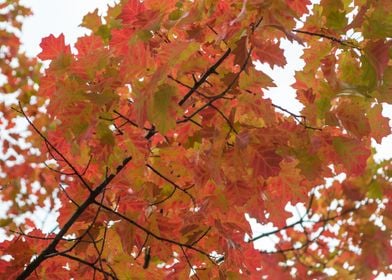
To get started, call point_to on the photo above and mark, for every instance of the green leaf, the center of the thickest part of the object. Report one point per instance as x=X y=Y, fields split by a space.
x=375 y=190
x=379 y=22
x=175 y=15
x=162 y=111
x=335 y=14
x=105 y=134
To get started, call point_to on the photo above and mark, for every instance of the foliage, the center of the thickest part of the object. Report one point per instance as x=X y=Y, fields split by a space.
x=154 y=135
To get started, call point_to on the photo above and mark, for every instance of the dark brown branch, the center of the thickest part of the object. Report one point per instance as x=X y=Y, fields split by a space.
x=22 y=233
x=187 y=86
x=43 y=137
x=51 y=249
x=189 y=264
x=126 y=118
x=59 y=171
x=300 y=221
x=211 y=70
x=299 y=118
x=92 y=265
x=143 y=245
x=87 y=231
x=147 y=257
x=68 y=196
x=201 y=236
x=164 y=239
x=223 y=93
x=321 y=35
x=176 y=187
x=166 y=198
x=150 y=131
x=224 y=117
x=325 y=220
x=51 y=153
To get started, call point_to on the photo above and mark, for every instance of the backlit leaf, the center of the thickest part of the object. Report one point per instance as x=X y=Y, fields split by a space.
x=52 y=47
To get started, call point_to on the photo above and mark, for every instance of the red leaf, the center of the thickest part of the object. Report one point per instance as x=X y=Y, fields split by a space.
x=88 y=44
x=351 y=114
x=377 y=53
x=266 y=163
x=352 y=153
x=52 y=47
x=379 y=124
x=131 y=10
x=269 y=52
x=299 y=6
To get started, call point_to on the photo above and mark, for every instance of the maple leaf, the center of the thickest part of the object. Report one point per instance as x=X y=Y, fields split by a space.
x=299 y=6
x=161 y=112
x=352 y=154
x=379 y=124
x=131 y=10
x=52 y=47
x=269 y=52
x=88 y=44
x=351 y=114
x=92 y=21
x=378 y=54
x=266 y=163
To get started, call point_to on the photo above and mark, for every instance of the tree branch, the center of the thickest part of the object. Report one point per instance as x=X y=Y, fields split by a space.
x=51 y=249
x=321 y=35
x=211 y=70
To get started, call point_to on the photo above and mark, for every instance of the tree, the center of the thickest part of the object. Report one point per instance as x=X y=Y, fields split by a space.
x=155 y=138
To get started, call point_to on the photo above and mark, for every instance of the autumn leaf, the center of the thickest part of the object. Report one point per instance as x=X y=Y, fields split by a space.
x=351 y=115
x=379 y=124
x=352 y=154
x=299 y=6
x=161 y=112
x=269 y=52
x=92 y=21
x=266 y=163
x=378 y=54
x=52 y=47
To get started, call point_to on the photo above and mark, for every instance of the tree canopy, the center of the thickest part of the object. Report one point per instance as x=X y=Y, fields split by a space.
x=152 y=140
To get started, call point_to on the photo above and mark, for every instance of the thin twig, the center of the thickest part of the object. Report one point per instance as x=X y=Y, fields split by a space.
x=53 y=147
x=211 y=70
x=177 y=187
x=321 y=35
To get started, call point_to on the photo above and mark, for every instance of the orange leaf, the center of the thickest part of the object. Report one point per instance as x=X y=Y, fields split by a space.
x=53 y=47
x=269 y=52
x=299 y=6
x=379 y=124
x=352 y=153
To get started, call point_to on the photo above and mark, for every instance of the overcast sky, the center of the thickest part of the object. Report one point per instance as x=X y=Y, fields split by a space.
x=55 y=17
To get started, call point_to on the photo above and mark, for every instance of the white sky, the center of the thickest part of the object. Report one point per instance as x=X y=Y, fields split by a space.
x=55 y=17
